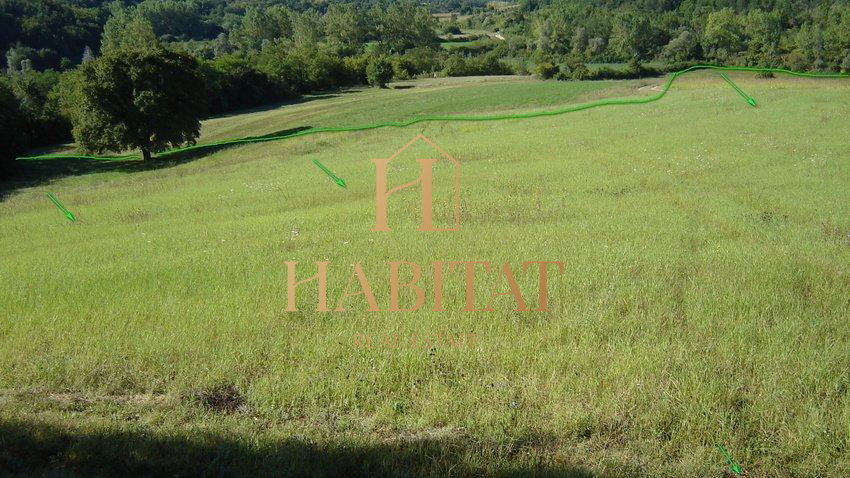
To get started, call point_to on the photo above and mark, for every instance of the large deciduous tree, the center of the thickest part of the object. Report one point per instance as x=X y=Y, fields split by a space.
x=148 y=99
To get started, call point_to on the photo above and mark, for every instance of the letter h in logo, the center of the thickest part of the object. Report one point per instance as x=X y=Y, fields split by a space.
x=425 y=181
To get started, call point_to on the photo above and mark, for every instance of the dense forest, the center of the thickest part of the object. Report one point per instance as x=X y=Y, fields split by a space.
x=247 y=53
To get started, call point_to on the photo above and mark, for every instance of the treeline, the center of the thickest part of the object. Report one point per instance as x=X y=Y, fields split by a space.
x=58 y=33
x=794 y=34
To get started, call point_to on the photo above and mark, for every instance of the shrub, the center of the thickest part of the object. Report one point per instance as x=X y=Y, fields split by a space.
x=379 y=71
x=455 y=65
x=576 y=69
x=545 y=70
x=423 y=60
x=402 y=68
x=354 y=69
x=562 y=75
x=452 y=29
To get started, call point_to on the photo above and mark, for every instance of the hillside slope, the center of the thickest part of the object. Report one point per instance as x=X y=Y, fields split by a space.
x=704 y=300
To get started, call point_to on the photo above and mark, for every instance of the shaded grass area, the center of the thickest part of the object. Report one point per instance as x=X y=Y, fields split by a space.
x=38 y=449
x=29 y=173
x=70 y=436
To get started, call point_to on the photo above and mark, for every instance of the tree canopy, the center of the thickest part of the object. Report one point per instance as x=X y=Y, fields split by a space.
x=149 y=99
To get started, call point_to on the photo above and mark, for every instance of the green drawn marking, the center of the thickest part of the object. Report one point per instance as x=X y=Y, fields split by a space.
x=747 y=97
x=732 y=465
x=422 y=119
x=338 y=180
x=61 y=207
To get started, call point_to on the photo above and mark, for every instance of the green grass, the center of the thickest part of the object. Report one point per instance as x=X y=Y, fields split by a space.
x=705 y=300
x=451 y=45
x=420 y=97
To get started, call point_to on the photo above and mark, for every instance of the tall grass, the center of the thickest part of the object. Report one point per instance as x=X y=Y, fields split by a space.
x=705 y=298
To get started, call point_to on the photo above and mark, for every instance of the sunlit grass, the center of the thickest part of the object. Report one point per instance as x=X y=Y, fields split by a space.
x=705 y=299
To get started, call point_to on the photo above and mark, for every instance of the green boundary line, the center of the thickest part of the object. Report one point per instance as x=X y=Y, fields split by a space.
x=338 y=180
x=749 y=99
x=62 y=208
x=422 y=119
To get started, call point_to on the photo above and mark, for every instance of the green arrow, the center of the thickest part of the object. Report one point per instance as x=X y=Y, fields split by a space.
x=732 y=465
x=338 y=180
x=747 y=97
x=61 y=207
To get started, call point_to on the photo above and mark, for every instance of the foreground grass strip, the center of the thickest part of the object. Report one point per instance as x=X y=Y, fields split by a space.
x=61 y=207
x=750 y=99
x=422 y=119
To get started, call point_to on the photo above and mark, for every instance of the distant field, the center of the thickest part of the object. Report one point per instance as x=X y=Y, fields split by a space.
x=621 y=66
x=450 y=45
x=706 y=296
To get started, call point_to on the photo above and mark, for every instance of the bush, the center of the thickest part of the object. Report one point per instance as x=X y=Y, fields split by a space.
x=423 y=60
x=354 y=69
x=402 y=68
x=379 y=71
x=562 y=75
x=455 y=65
x=545 y=70
x=490 y=64
x=451 y=29
x=575 y=69
x=323 y=69
x=458 y=65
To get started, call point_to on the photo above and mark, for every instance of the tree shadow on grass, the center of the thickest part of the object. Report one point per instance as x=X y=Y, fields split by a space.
x=201 y=150
x=38 y=449
x=275 y=105
x=29 y=173
x=327 y=94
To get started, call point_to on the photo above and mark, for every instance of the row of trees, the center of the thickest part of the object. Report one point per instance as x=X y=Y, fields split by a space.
x=60 y=33
x=799 y=36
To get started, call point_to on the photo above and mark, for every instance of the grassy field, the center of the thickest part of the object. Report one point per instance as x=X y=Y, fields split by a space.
x=705 y=298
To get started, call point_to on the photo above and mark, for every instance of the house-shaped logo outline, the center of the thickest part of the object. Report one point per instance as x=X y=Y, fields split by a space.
x=426 y=188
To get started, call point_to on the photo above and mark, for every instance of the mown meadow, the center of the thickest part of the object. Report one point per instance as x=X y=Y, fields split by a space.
x=705 y=297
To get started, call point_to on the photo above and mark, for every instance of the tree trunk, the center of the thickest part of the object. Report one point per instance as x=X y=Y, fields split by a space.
x=146 y=154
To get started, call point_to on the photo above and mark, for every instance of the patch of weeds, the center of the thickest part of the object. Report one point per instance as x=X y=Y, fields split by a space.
x=769 y=217
x=837 y=234
x=135 y=215
x=223 y=398
x=613 y=192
